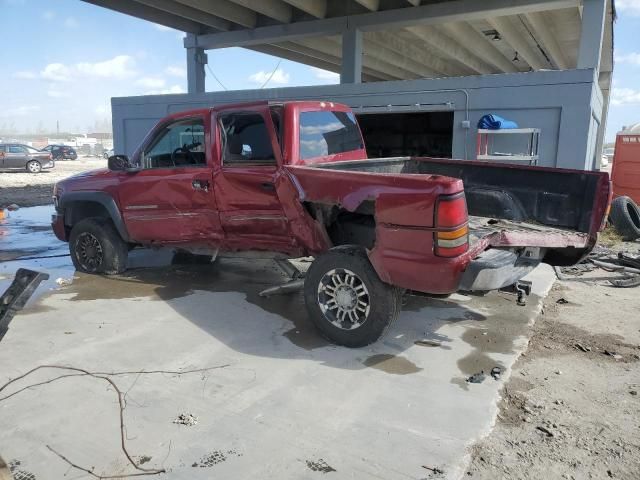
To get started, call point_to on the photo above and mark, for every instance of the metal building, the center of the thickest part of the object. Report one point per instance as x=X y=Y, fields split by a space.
x=419 y=73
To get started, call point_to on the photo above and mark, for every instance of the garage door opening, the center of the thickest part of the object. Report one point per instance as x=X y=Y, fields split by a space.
x=425 y=134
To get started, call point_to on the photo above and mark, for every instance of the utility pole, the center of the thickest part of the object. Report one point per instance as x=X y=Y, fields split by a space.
x=58 y=128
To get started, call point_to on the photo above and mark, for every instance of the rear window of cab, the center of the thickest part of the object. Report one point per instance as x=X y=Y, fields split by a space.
x=325 y=133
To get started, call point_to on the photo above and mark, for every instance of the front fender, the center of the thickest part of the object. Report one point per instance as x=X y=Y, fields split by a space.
x=102 y=198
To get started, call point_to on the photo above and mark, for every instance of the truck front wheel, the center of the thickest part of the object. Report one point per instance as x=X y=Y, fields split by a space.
x=96 y=247
x=346 y=300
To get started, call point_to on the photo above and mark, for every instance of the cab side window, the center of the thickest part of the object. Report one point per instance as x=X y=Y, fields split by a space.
x=178 y=144
x=245 y=140
x=17 y=149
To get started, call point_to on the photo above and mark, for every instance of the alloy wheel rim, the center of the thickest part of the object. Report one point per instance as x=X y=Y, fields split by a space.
x=33 y=167
x=89 y=252
x=344 y=299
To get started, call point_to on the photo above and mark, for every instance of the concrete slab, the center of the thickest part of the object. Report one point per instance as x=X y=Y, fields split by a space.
x=288 y=405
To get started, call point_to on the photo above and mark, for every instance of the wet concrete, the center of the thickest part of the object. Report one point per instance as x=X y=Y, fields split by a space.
x=287 y=395
x=391 y=364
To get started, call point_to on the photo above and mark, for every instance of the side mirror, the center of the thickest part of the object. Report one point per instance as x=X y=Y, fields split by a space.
x=118 y=163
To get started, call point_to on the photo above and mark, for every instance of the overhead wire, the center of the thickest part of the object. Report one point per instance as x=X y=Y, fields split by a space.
x=215 y=77
x=272 y=74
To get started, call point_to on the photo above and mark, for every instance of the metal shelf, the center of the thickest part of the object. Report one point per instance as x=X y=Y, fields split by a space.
x=485 y=146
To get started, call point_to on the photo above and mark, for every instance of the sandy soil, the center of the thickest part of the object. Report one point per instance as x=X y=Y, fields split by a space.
x=31 y=189
x=572 y=406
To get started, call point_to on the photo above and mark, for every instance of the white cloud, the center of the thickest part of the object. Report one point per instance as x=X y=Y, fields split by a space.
x=120 y=66
x=162 y=28
x=630 y=6
x=625 y=96
x=71 y=22
x=48 y=15
x=57 y=72
x=179 y=72
x=25 y=75
x=279 y=77
x=53 y=93
x=150 y=82
x=632 y=58
x=320 y=129
x=325 y=75
x=21 y=111
x=165 y=91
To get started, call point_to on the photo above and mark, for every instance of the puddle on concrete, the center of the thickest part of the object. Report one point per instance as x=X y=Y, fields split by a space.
x=391 y=364
x=498 y=334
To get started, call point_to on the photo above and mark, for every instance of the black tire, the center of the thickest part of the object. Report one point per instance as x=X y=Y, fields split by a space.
x=33 y=166
x=625 y=217
x=384 y=301
x=96 y=247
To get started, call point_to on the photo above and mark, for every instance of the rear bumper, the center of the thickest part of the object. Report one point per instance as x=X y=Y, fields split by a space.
x=48 y=164
x=57 y=224
x=494 y=269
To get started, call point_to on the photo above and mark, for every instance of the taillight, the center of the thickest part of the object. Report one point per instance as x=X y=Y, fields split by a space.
x=451 y=223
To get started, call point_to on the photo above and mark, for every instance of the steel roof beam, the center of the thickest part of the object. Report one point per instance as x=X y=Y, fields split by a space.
x=482 y=46
x=448 y=46
x=512 y=35
x=188 y=13
x=316 y=8
x=225 y=9
x=455 y=11
x=150 y=14
x=276 y=9
x=541 y=27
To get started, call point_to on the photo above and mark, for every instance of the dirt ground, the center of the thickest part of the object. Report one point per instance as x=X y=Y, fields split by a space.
x=31 y=189
x=571 y=408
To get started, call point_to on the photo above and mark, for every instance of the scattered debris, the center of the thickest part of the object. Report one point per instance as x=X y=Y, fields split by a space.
x=186 y=419
x=558 y=372
x=562 y=301
x=436 y=470
x=428 y=343
x=496 y=372
x=633 y=392
x=581 y=347
x=477 y=377
x=320 y=466
x=614 y=355
x=626 y=266
x=64 y=282
x=545 y=430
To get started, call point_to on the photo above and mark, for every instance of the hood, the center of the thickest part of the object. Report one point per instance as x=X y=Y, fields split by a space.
x=92 y=180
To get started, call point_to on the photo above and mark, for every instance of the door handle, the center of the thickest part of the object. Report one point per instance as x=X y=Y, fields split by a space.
x=270 y=187
x=200 y=185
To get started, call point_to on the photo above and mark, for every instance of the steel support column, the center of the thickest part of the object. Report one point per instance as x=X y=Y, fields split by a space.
x=591 y=34
x=351 y=71
x=196 y=60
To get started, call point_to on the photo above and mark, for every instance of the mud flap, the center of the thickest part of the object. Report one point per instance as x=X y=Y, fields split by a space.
x=16 y=296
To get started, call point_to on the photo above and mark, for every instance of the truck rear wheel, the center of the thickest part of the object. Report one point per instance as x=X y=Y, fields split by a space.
x=96 y=247
x=346 y=300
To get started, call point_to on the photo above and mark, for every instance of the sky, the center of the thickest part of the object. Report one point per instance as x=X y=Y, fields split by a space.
x=63 y=60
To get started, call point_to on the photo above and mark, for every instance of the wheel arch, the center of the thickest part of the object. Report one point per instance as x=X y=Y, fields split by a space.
x=80 y=205
x=355 y=228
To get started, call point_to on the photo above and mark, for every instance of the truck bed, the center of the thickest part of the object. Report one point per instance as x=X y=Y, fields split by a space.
x=512 y=205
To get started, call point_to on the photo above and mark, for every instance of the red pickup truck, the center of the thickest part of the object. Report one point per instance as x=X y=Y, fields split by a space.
x=293 y=178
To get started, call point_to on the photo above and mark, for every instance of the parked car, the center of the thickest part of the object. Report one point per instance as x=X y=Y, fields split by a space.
x=293 y=178
x=24 y=157
x=107 y=153
x=61 y=152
